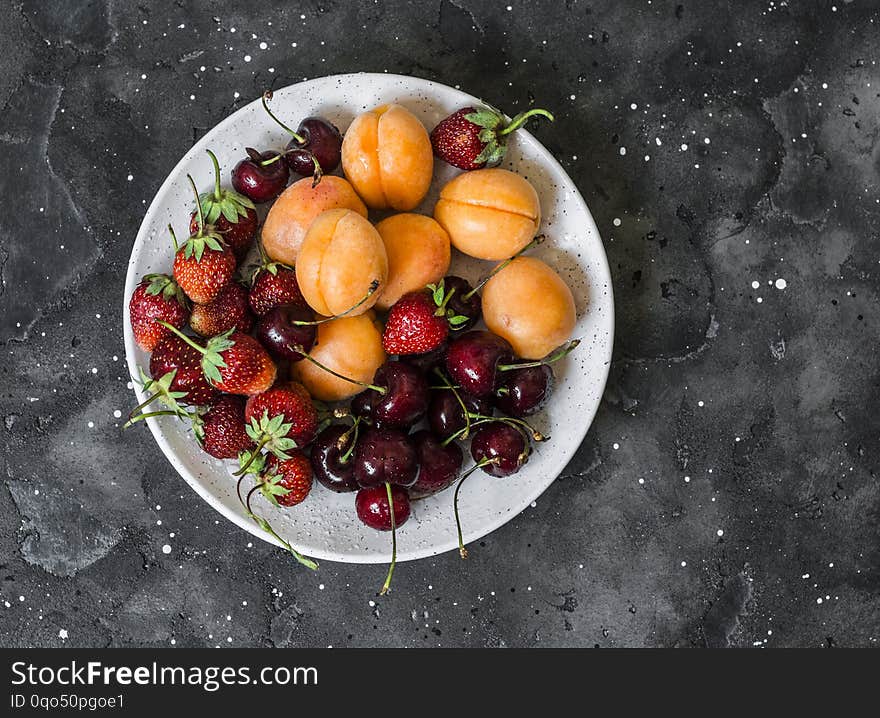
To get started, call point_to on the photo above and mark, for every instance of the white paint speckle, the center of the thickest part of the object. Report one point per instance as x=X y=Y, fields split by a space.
x=166 y=549
x=615 y=446
x=263 y=46
x=247 y=58
x=62 y=634
x=117 y=414
x=684 y=563
x=756 y=284
x=622 y=151
x=781 y=283
x=616 y=221
x=720 y=532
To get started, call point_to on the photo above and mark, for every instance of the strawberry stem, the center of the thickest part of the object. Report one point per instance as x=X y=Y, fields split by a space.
x=462 y=551
x=498 y=267
x=173 y=237
x=181 y=335
x=267 y=95
x=267 y=527
x=147 y=415
x=554 y=356
x=387 y=585
x=299 y=349
x=201 y=214
x=374 y=285
x=522 y=118
x=254 y=454
x=217 y=191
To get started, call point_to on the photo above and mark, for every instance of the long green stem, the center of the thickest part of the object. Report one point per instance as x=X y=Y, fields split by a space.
x=554 y=356
x=173 y=237
x=299 y=349
x=201 y=214
x=267 y=527
x=353 y=433
x=462 y=551
x=374 y=285
x=498 y=267
x=523 y=117
x=267 y=95
x=254 y=454
x=139 y=417
x=217 y=191
x=181 y=335
x=387 y=585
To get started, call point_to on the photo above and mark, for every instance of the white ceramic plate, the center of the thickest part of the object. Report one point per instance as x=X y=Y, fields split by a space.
x=325 y=525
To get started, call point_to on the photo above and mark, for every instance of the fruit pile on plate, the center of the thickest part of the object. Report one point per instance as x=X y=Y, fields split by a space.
x=346 y=352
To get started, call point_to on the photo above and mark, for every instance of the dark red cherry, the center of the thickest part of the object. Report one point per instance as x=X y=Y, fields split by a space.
x=439 y=465
x=374 y=510
x=385 y=455
x=362 y=404
x=464 y=302
x=260 y=177
x=472 y=361
x=405 y=400
x=318 y=141
x=445 y=415
x=333 y=458
x=503 y=448
x=523 y=392
x=278 y=332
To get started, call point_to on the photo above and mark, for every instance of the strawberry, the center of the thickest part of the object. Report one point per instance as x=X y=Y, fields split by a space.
x=419 y=321
x=158 y=296
x=174 y=354
x=290 y=407
x=287 y=482
x=473 y=138
x=272 y=285
x=221 y=431
x=235 y=363
x=231 y=215
x=228 y=311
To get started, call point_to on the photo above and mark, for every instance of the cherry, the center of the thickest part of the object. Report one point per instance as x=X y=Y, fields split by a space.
x=500 y=449
x=232 y=215
x=405 y=399
x=260 y=177
x=373 y=507
x=523 y=392
x=362 y=404
x=287 y=330
x=472 y=360
x=385 y=456
x=464 y=302
x=315 y=148
x=333 y=457
x=438 y=464
x=446 y=415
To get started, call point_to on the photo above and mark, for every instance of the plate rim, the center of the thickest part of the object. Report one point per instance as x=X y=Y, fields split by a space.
x=404 y=555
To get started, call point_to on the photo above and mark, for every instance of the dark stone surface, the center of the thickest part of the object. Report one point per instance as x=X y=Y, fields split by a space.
x=749 y=414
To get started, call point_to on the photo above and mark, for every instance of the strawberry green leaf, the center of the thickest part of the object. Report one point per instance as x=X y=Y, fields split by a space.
x=484 y=118
x=456 y=320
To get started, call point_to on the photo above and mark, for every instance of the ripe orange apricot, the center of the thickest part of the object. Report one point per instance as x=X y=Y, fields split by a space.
x=418 y=254
x=530 y=306
x=351 y=346
x=387 y=156
x=341 y=255
x=294 y=211
x=489 y=213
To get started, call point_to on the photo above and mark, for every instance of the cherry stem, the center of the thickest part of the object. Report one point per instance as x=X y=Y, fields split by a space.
x=299 y=349
x=267 y=527
x=147 y=415
x=522 y=118
x=183 y=336
x=254 y=454
x=217 y=191
x=318 y=173
x=198 y=204
x=553 y=356
x=534 y=243
x=483 y=419
x=267 y=95
x=173 y=237
x=271 y=160
x=353 y=433
x=462 y=551
x=387 y=585
x=374 y=285
x=467 y=414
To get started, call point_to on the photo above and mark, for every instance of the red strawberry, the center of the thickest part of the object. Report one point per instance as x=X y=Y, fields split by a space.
x=419 y=322
x=235 y=363
x=473 y=138
x=156 y=297
x=231 y=214
x=221 y=432
x=274 y=284
x=287 y=482
x=174 y=354
x=228 y=311
x=203 y=266
x=288 y=406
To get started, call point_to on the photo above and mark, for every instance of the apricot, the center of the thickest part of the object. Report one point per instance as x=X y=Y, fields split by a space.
x=530 y=306
x=489 y=213
x=351 y=346
x=294 y=211
x=418 y=254
x=341 y=255
x=387 y=156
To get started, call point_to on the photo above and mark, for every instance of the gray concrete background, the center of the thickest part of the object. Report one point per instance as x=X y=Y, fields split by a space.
x=727 y=491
